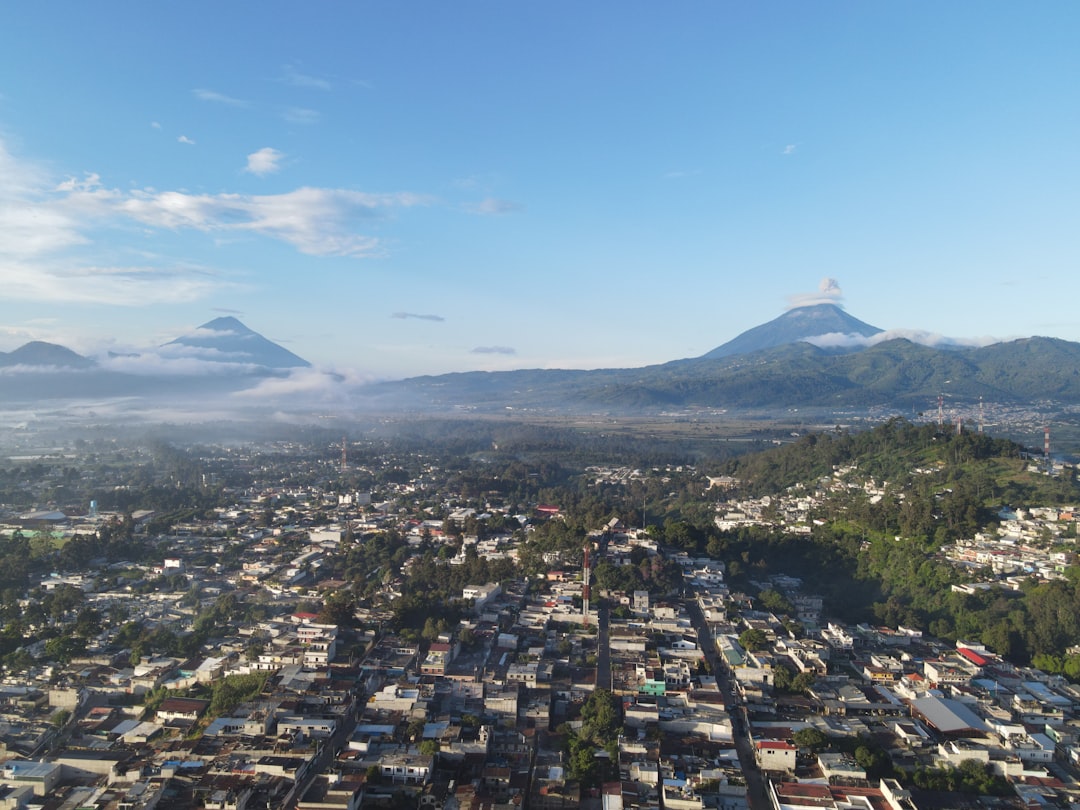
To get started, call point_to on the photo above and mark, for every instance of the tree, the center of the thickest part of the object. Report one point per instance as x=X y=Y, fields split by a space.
x=64 y=648
x=802 y=682
x=775 y=602
x=813 y=738
x=874 y=761
x=415 y=730
x=339 y=609
x=753 y=639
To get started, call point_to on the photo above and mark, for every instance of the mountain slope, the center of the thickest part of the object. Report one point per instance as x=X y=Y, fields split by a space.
x=896 y=373
x=793 y=326
x=227 y=340
x=39 y=353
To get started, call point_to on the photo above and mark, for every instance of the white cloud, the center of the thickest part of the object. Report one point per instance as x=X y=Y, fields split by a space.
x=301 y=115
x=789 y=149
x=307 y=383
x=837 y=340
x=264 y=161
x=175 y=361
x=828 y=293
x=202 y=333
x=22 y=368
x=155 y=125
x=186 y=139
x=294 y=78
x=43 y=221
x=218 y=98
x=494 y=206
x=316 y=221
x=62 y=280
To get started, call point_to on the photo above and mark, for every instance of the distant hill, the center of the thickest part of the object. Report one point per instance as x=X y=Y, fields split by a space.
x=42 y=372
x=39 y=353
x=793 y=326
x=227 y=340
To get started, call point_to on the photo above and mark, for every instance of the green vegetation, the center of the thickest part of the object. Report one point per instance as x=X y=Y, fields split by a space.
x=601 y=724
x=232 y=690
x=814 y=739
x=971 y=776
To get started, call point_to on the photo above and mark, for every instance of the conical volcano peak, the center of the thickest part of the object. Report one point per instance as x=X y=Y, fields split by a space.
x=228 y=340
x=798 y=324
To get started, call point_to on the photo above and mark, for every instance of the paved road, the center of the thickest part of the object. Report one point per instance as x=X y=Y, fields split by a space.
x=756 y=796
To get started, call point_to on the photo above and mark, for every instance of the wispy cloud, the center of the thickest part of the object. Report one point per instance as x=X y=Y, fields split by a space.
x=678 y=174
x=301 y=115
x=308 y=383
x=186 y=139
x=494 y=350
x=837 y=340
x=828 y=293
x=171 y=360
x=203 y=333
x=225 y=311
x=218 y=98
x=295 y=78
x=57 y=280
x=407 y=315
x=316 y=221
x=155 y=125
x=264 y=161
x=43 y=222
x=492 y=206
x=789 y=149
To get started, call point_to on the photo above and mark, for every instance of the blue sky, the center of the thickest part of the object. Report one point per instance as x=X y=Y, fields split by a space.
x=399 y=188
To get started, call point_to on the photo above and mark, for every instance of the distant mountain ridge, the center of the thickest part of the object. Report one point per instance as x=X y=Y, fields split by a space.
x=224 y=357
x=896 y=373
x=795 y=325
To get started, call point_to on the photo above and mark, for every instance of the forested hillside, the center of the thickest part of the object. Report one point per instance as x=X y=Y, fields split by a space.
x=878 y=557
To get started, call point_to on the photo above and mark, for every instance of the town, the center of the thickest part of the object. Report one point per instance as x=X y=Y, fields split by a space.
x=332 y=624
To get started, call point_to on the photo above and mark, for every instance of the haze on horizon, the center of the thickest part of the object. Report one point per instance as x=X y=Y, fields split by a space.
x=487 y=186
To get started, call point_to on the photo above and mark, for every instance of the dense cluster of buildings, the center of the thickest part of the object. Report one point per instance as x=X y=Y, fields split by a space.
x=287 y=709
